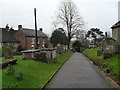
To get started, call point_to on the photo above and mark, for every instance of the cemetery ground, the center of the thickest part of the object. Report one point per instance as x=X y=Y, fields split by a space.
x=110 y=65
x=35 y=74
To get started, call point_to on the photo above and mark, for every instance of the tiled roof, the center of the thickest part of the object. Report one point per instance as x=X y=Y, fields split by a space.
x=116 y=25
x=7 y=37
x=31 y=32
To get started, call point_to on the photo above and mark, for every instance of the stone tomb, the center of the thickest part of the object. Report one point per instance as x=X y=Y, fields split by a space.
x=29 y=54
x=50 y=53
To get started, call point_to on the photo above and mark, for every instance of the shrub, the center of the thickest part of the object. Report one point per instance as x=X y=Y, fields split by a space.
x=17 y=53
x=12 y=85
x=46 y=45
x=10 y=70
x=77 y=46
x=19 y=75
x=20 y=48
x=40 y=57
x=108 y=70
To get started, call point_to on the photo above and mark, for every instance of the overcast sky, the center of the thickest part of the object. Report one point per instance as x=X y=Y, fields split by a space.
x=96 y=13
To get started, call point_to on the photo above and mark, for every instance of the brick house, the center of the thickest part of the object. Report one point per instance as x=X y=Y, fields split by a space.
x=26 y=37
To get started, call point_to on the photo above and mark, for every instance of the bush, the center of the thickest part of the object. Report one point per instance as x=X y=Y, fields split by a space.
x=3 y=48
x=7 y=52
x=77 y=46
x=19 y=75
x=20 y=48
x=12 y=85
x=17 y=53
x=10 y=70
x=40 y=57
x=46 y=45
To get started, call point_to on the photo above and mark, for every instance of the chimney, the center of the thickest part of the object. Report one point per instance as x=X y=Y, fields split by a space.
x=19 y=27
x=41 y=29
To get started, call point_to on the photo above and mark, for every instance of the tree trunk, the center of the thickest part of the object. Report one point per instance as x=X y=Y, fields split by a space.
x=69 y=43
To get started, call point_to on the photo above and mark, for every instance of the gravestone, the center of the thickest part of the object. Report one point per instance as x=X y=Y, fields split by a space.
x=109 y=47
x=59 y=49
x=99 y=52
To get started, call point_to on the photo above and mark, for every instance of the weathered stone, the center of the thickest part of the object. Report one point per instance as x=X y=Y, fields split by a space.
x=60 y=49
x=50 y=53
x=29 y=54
x=109 y=47
x=40 y=57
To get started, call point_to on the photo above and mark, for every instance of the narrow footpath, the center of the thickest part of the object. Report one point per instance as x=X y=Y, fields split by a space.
x=78 y=72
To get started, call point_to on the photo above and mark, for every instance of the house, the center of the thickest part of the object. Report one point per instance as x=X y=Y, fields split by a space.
x=7 y=39
x=116 y=32
x=27 y=39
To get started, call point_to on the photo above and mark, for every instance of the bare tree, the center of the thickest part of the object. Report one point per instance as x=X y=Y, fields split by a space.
x=80 y=35
x=69 y=17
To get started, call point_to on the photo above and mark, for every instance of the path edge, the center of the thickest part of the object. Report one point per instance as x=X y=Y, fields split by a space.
x=102 y=73
x=55 y=73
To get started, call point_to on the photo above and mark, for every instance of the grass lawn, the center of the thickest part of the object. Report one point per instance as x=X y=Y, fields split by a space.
x=110 y=62
x=35 y=73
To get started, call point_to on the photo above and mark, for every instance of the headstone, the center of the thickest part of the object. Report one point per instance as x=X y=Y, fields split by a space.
x=109 y=47
x=59 y=49
x=99 y=52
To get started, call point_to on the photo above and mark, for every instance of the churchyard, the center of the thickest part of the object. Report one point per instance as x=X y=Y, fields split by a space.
x=30 y=73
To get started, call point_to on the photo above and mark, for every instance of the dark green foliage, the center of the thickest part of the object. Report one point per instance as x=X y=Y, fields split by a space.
x=20 y=48
x=12 y=85
x=40 y=57
x=3 y=48
x=59 y=37
x=46 y=45
x=10 y=70
x=95 y=34
x=19 y=75
x=17 y=53
x=77 y=46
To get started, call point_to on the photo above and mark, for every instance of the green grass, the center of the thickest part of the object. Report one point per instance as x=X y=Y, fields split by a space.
x=92 y=54
x=110 y=62
x=35 y=73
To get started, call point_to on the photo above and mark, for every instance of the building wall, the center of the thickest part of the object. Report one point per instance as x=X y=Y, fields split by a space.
x=119 y=35
x=28 y=43
x=19 y=35
x=115 y=34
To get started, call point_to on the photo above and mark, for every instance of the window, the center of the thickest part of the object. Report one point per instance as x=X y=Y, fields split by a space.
x=33 y=40
x=38 y=41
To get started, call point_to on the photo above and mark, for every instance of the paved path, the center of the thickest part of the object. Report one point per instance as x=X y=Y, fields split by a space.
x=78 y=72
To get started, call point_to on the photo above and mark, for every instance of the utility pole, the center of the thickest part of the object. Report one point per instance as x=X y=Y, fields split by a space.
x=36 y=29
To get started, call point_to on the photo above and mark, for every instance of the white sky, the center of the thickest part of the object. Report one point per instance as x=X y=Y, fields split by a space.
x=96 y=13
